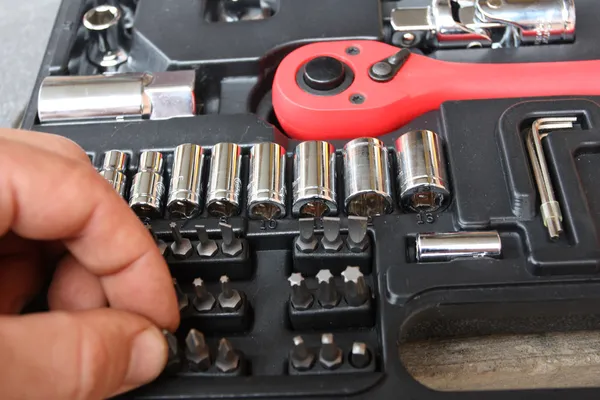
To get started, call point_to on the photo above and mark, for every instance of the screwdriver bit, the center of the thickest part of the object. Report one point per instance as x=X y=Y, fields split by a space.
x=327 y=294
x=174 y=356
x=360 y=356
x=357 y=234
x=332 y=241
x=206 y=247
x=232 y=246
x=204 y=300
x=301 y=298
x=229 y=298
x=307 y=242
x=197 y=352
x=356 y=289
x=181 y=248
x=227 y=359
x=330 y=355
x=182 y=298
x=162 y=246
x=301 y=357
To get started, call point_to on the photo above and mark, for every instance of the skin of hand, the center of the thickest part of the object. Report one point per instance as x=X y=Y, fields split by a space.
x=110 y=294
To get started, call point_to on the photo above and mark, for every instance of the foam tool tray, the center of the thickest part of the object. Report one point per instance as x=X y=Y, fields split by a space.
x=535 y=285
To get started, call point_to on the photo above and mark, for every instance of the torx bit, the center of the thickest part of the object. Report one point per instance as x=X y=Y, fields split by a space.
x=181 y=248
x=301 y=358
x=332 y=241
x=330 y=355
x=229 y=298
x=197 y=352
x=301 y=299
x=206 y=246
x=307 y=242
x=360 y=356
x=550 y=207
x=163 y=248
x=204 y=300
x=232 y=246
x=356 y=289
x=327 y=294
x=174 y=355
x=182 y=298
x=357 y=234
x=227 y=359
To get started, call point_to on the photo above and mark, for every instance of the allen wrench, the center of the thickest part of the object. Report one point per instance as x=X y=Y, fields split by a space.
x=550 y=207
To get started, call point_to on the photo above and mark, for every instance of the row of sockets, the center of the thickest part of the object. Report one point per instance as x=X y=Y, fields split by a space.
x=422 y=179
x=198 y=358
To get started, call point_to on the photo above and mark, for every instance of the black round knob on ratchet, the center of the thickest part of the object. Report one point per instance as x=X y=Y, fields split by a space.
x=324 y=73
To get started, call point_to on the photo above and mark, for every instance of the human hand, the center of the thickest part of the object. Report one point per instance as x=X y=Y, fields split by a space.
x=56 y=211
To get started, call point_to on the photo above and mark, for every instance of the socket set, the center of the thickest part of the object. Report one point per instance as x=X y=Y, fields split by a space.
x=315 y=218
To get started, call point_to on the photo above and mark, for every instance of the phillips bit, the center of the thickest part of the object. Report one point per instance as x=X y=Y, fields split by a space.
x=332 y=241
x=162 y=246
x=229 y=298
x=182 y=298
x=301 y=358
x=357 y=234
x=203 y=300
x=181 y=248
x=301 y=298
x=227 y=359
x=232 y=246
x=327 y=294
x=174 y=355
x=206 y=247
x=357 y=291
x=196 y=351
x=330 y=355
x=307 y=242
x=360 y=356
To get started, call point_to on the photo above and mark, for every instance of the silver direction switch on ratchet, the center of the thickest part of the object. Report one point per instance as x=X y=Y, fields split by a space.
x=160 y=95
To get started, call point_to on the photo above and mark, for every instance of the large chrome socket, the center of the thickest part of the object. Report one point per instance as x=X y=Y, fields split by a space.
x=224 y=180
x=160 y=95
x=422 y=177
x=185 y=190
x=113 y=170
x=148 y=188
x=432 y=247
x=367 y=180
x=266 y=186
x=314 y=180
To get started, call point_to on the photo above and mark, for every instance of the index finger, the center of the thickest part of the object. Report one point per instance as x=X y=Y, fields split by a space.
x=44 y=196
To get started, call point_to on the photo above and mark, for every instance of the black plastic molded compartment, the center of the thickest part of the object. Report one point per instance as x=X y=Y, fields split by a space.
x=535 y=286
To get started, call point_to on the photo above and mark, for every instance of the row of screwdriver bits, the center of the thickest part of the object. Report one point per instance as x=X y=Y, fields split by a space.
x=345 y=302
x=303 y=359
x=332 y=249
x=197 y=357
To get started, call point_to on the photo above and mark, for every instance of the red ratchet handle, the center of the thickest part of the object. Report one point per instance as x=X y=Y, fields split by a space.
x=421 y=85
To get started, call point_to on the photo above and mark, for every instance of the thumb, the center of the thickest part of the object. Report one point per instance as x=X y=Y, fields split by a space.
x=90 y=354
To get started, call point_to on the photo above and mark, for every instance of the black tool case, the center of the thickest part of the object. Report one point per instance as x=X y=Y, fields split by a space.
x=535 y=286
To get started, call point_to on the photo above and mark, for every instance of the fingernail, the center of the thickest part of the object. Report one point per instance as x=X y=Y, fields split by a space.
x=148 y=357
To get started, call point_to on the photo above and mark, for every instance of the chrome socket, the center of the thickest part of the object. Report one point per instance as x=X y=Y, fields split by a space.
x=314 y=180
x=431 y=247
x=106 y=35
x=148 y=188
x=422 y=177
x=367 y=180
x=160 y=95
x=266 y=186
x=113 y=170
x=224 y=180
x=185 y=190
